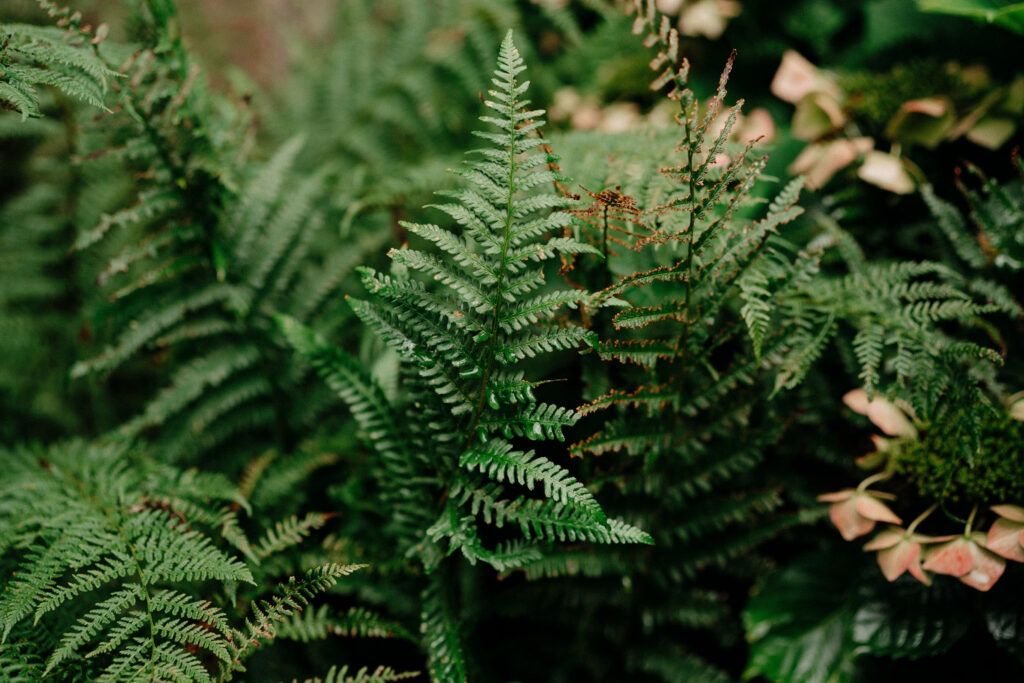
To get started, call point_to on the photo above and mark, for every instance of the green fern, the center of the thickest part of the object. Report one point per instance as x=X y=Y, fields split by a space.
x=84 y=522
x=215 y=245
x=63 y=57
x=381 y=674
x=460 y=343
x=107 y=558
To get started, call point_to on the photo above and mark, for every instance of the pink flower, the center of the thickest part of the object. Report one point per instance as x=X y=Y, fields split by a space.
x=822 y=160
x=1006 y=536
x=855 y=512
x=884 y=414
x=797 y=78
x=707 y=17
x=887 y=171
x=967 y=558
x=899 y=551
x=757 y=125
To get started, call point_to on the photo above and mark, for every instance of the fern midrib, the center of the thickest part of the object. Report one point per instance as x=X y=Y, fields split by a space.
x=492 y=340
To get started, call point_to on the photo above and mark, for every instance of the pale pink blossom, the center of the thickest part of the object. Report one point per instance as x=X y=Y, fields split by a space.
x=967 y=558
x=1006 y=535
x=707 y=18
x=822 y=160
x=900 y=550
x=855 y=512
x=887 y=172
x=884 y=414
x=797 y=78
x=758 y=124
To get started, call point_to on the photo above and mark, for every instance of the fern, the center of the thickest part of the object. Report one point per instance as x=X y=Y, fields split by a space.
x=996 y=211
x=691 y=315
x=460 y=344
x=63 y=57
x=899 y=310
x=460 y=341
x=357 y=622
x=104 y=554
x=381 y=674
x=269 y=615
x=84 y=522
x=215 y=246
x=219 y=234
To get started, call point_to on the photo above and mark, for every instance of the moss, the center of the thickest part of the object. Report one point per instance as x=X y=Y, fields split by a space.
x=932 y=465
x=877 y=97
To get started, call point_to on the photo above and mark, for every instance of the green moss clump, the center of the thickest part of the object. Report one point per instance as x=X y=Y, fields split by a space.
x=932 y=465
x=875 y=98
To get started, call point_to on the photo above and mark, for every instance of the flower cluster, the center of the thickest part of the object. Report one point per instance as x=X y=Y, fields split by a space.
x=827 y=116
x=976 y=558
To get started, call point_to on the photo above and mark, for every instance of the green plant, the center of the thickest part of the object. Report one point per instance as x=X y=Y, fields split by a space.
x=195 y=249
x=212 y=247
x=104 y=563
x=63 y=56
x=462 y=396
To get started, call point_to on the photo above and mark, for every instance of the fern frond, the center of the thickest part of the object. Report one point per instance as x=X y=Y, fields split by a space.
x=269 y=615
x=49 y=56
x=87 y=523
x=501 y=463
x=440 y=629
x=357 y=622
x=288 y=533
x=381 y=674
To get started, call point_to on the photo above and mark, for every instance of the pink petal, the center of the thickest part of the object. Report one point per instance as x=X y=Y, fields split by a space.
x=887 y=172
x=987 y=569
x=953 y=558
x=885 y=539
x=872 y=508
x=821 y=161
x=931 y=106
x=707 y=17
x=837 y=496
x=857 y=401
x=795 y=78
x=918 y=573
x=850 y=523
x=758 y=125
x=1004 y=539
x=1012 y=512
x=896 y=560
x=890 y=419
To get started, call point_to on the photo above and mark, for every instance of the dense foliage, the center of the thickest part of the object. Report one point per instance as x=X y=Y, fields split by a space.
x=595 y=409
